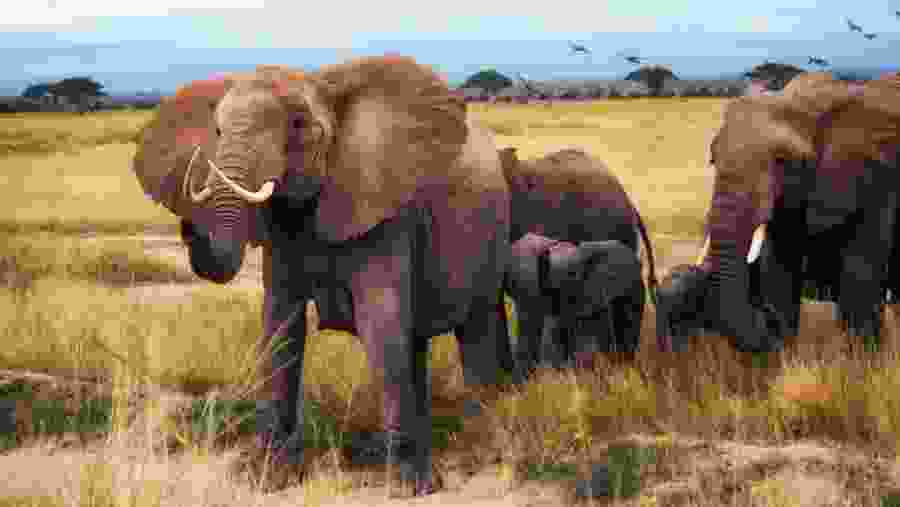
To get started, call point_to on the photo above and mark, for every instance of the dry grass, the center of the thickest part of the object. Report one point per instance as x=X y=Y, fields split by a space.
x=26 y=133
x=93 y=189
x=698 y=411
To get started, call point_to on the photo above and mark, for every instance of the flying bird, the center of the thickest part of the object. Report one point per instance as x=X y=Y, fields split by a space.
x=634 y=59
x=578 y=48
x=897 y=13
x=853 y=26
x=870 y=36
x=818 y=61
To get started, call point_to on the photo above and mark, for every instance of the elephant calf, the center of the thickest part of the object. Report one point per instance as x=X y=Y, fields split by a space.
x=569 y=293
x=575 y=270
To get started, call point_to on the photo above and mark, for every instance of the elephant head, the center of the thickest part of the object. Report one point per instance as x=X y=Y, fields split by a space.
x=765 y=141
x=591 y=274
x=357 y=137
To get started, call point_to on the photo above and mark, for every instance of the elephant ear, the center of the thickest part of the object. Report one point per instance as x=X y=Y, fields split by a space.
x=508 y=160
x=398 y=127
x=167 y=142
x=805 y=80
x=758 y=132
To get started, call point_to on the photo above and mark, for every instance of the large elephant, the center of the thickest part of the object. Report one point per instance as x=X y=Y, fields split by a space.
x=569 y=211
x=811 y=176
x=366 y=182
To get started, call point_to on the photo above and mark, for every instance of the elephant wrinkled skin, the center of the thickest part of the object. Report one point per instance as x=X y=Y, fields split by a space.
x=571 y=215
x=569 y=294
x=817 y=168
x=370 y=191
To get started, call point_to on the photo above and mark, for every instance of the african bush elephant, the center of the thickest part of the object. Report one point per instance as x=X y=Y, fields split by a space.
x=572 y=223
x=569 y=294
x=811 y=176
x=365 y=181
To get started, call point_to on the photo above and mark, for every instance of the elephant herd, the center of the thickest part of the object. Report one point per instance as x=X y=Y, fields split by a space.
x=373 y=192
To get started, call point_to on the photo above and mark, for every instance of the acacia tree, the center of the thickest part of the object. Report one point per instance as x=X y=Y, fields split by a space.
x=489 y=80
x=654 y=76
x=776 y=74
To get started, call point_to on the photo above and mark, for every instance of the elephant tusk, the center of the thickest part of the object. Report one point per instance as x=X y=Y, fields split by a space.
x=263 y=195
x=204 y=194
x=759 y=235
x=703 y=252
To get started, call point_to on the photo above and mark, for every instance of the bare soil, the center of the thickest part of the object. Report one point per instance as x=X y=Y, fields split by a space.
x=687 y=471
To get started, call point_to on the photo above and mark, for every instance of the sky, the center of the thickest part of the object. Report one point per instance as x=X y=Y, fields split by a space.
x=159 y=44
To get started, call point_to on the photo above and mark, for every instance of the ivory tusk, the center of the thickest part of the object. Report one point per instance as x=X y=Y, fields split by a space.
x=703 y=252
x=187 y=188
x=759 y=235
x=264 y=193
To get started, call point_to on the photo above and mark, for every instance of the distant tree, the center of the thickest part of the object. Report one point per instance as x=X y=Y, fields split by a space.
x=851 y=76
x=654 y=76
x=78 y=90
x=36 y=91
x=776 y=74
x=489 y=80
x=77 y=87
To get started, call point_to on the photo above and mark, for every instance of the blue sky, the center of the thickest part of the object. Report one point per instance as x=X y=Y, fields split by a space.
x=162 y=43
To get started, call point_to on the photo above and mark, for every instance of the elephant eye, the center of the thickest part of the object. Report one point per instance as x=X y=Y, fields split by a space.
x=218 y=132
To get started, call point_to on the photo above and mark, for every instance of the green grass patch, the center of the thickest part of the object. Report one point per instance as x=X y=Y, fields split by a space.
x=224 y=418
x=49 y=417
x=551 y=472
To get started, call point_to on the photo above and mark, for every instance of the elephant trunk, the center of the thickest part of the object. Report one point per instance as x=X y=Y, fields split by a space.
x=731 y=222
x=229 y=231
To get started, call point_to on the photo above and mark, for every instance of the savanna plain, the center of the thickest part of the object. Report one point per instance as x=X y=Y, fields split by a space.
x=130 y=375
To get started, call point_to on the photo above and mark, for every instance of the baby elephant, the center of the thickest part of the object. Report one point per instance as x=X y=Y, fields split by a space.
x=575 y=268
x=566 y=295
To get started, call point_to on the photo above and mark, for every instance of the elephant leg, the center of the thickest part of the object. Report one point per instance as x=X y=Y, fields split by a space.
x=530 y=314
x=484 y=344
x=864 y=269
x=592 y=335
x=628 y=317
x=780 y=281
x=280 y=393
x=555 y=335
x=383 y=314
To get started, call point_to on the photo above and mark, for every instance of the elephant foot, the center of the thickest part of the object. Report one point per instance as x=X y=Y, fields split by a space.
x=598 y=485
x=387 y=448
x=271 y=464
x=864 y=328
x=380 y=447
x=768 y=334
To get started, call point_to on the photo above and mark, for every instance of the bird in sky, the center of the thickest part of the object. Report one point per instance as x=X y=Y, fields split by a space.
x=818 y=61
x=853 y=26
x=897 y=13
x=870 y=36
x=578 y=48
x=634 y=59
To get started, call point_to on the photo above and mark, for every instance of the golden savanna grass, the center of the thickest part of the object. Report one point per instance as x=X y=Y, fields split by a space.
x=67 y=309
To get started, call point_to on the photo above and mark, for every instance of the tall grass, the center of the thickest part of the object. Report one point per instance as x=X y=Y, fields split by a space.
x=75 y=315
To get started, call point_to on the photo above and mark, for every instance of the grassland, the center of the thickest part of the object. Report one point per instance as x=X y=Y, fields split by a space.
x=162 y=367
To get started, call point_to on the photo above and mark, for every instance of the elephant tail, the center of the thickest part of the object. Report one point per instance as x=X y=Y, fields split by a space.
x=651 y=263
